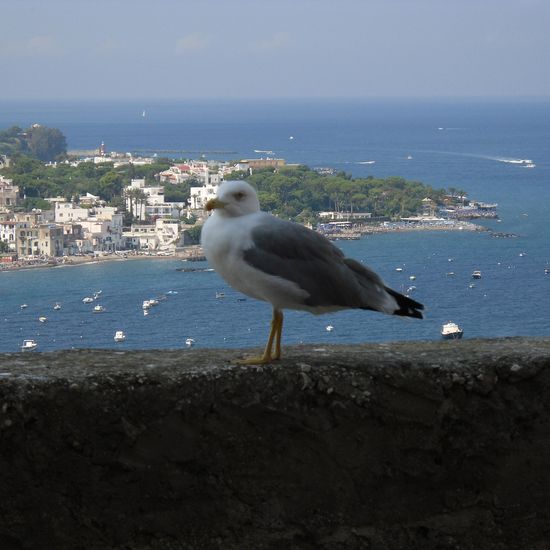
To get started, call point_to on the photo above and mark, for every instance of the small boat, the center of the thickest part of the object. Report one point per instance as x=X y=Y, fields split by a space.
x=145 y=312
x=23 y=306
x=42 y=319
x=153 y=302
x=57 y=306
x=119 y=336
x=409 y=157
x=28 y=345
x=471 y=285
x=220 y=295
x=98 y=309
x=189 y=342
x=450 y=273
x=146 y=304
x=88 y=300
x=476 y=274
x=412 y=277
x=451 y=331
x=329 y=328
x=547 y=270
x=399 y=269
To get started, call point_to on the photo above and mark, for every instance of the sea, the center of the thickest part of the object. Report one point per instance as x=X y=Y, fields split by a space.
x=471 y=145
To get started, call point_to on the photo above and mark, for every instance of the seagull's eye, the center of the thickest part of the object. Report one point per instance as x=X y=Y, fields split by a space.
x=240 y=195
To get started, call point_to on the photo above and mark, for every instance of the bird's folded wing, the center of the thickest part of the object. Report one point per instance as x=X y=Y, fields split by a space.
x=300 y=255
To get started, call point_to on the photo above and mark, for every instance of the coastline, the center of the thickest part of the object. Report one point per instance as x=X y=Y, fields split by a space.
x=194 y=252
x=74 y=261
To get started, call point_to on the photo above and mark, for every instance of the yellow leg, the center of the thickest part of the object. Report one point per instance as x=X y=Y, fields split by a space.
x=274 y=336
x=279 y=333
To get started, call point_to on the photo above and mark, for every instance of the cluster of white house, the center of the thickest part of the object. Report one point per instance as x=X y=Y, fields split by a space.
x=86 y=225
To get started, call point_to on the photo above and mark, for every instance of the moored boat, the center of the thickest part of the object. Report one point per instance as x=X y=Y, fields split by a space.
x=476 y=274
x=119 y=336
x=29 y=345
x=451 y=331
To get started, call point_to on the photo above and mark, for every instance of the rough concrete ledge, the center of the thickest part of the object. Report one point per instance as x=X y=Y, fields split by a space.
x=394 y=446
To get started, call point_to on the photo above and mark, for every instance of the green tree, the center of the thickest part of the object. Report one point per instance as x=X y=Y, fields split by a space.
x=46 y=143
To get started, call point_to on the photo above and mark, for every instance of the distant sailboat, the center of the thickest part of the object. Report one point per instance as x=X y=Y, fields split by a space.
x=143 y=113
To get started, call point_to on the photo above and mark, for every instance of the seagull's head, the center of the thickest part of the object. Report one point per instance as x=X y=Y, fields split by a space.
x=235 y=198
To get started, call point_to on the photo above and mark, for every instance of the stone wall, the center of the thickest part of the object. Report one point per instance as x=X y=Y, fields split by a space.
x=394 y=446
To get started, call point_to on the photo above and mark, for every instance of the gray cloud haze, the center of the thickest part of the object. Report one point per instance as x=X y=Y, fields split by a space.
x=300 y=48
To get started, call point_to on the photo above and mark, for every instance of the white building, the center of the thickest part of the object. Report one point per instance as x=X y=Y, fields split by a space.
x=102 y=234
x=8 y=193
x=8 y=232
x=152 y=205
x=164 y=236
x=201 y=195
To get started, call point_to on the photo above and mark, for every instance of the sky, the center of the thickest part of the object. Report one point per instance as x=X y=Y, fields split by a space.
x=183 y=49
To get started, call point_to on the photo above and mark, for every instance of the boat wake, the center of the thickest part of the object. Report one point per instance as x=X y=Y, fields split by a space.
x=520 y=162
x=514 y=161
x=366 y=162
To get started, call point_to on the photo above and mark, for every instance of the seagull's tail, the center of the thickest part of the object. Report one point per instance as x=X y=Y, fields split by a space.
x=407 y=306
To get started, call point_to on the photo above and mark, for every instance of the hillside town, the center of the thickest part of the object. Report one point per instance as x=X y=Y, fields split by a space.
x=87 y=226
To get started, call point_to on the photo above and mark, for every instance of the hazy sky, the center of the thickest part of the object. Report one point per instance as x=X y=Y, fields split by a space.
x=266 y=48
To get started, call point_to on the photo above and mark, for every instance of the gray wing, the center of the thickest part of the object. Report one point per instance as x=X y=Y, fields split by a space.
x=298 y=254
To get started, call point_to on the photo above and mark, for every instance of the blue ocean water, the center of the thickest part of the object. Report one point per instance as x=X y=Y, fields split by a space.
x=466 y=145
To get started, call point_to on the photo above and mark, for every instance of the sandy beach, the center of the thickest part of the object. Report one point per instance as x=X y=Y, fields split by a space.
x=190 y=252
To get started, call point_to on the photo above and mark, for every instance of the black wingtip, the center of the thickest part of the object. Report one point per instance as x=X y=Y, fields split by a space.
x=407 y=306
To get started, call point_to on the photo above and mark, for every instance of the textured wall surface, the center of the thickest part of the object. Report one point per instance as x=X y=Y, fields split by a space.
x=393 y=446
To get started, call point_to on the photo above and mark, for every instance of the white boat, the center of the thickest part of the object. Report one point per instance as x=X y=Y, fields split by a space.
x=529 y=165
x=57 y=306
x=23 y=306
x=88 y=300
x=329 y=328
x=189 y=342
x=146 y=304
x=409 y=157
x=399 y=269
x=220 y=295
x=98 y=309
x=42 y=319
x=476 y=274
x=451 y=331
x=547 y=270
x=28 y=345
x=153 y=302
x=412 y=277
x=119 y=336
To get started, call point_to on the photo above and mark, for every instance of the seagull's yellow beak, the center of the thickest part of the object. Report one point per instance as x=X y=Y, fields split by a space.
x=213 y=204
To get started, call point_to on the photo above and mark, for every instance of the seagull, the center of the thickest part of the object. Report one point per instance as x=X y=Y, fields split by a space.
x=288 y=265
